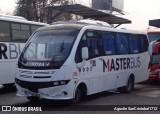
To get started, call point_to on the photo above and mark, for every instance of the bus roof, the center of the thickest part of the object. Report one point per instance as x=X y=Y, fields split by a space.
x=88 y=26
x=18 y=19
x=154 y=30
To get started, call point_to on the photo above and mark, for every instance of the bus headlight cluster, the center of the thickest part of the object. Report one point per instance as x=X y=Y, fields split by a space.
x=59 y=83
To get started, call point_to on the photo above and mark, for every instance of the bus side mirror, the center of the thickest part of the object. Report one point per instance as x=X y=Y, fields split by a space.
x=85 y=53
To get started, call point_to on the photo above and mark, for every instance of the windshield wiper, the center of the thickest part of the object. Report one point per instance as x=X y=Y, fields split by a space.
x=60 y=50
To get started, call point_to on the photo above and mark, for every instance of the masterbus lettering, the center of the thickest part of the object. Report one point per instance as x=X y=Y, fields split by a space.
x=121 y=64
x=9 y=50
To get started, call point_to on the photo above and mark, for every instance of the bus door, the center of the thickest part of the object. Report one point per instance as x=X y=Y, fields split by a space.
x=91 y=71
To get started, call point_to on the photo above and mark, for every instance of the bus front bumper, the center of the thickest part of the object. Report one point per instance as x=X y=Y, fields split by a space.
x=62 y=92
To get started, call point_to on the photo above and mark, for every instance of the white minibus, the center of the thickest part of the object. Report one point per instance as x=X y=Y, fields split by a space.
x=66 y=61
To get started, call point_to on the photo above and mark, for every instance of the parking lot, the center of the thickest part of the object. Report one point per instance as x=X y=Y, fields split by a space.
x=144 y=94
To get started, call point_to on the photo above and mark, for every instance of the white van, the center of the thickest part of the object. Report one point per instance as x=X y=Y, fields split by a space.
x=70 y=60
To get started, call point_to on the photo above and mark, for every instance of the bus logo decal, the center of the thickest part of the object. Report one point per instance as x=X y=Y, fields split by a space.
x=121 y=64
x=10 y=50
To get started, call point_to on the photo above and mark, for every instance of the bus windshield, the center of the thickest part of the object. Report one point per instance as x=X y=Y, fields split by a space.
x=49 y=45
x=153 y=36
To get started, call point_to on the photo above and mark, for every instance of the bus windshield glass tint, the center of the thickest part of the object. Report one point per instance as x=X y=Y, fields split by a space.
x=153 y=36
x=51 y=45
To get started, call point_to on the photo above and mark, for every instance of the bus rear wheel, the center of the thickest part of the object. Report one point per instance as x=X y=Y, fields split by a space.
x=129 y=87
x=33 y=98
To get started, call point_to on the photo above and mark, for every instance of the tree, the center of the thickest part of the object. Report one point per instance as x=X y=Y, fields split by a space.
x=31 y=9
x=75 y=17
x=35 y=10
x=24 y=9
x=63 y=16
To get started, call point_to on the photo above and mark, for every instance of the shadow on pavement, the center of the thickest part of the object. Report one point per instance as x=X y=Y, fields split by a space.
x=4 y=90
x=51 y=105
x=151 y=82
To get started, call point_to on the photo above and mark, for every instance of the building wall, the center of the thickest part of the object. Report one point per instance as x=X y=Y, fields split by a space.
x=119 y=4
x=101 y=4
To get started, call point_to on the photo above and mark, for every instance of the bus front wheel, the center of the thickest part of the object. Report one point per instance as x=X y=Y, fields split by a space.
x=78 y=96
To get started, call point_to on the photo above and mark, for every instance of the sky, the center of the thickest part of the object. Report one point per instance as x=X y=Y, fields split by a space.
x=7 y=6
x=138 y=11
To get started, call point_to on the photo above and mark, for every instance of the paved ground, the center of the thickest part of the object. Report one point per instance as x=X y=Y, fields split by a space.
x=144 y=94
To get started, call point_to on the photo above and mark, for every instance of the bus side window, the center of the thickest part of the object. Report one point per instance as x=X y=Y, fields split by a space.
x=108 y=43
x=4 y=31
x=92 y=40
x=20 y=32
x=94 y=44
x=122 y=43
x=144 y=43
x=82 y=43
x=134 y=44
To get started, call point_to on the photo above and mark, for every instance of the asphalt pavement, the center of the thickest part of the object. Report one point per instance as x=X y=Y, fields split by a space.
x=144 y=94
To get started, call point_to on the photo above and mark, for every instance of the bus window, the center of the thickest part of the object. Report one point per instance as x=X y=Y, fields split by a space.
x=20 y=32
x=108 y=43
x=82 y=43
x=122 y=43
x=152 y=36
x=94 y=43
x=92 y=40
x=25 y=27
x=4 y=32
x=144 y=43
x=34 y=28
x=134 y=44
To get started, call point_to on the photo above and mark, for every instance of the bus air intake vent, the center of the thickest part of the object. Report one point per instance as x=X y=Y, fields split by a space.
x=25 y=76
x=41 y=72
x=40 y=77
x=26 y=72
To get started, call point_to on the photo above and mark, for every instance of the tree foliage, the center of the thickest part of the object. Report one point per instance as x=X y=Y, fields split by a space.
x=35 y=10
